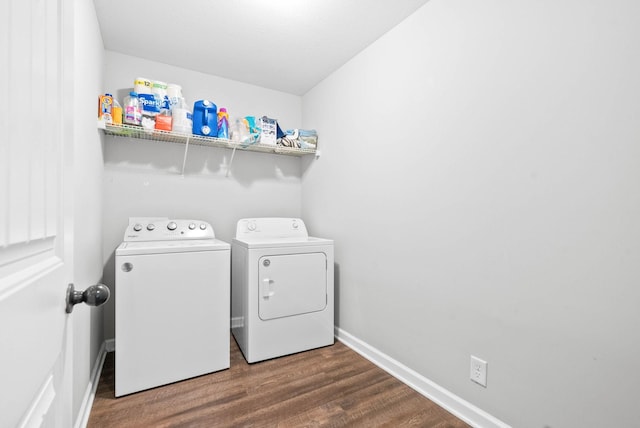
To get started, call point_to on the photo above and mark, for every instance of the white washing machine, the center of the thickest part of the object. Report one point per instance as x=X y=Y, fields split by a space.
x=281 y=288
x=172 y=303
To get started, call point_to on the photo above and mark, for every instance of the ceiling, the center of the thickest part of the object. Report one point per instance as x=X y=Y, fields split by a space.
x=286 y=45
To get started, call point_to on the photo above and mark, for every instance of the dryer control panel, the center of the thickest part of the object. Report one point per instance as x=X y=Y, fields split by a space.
x=165 y=229
x=271 y=227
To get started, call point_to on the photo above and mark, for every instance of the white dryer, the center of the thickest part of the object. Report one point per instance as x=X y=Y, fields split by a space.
x=281 y=288
x=172 y=303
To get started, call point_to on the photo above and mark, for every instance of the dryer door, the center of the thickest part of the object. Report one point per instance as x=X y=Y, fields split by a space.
x=292 y=284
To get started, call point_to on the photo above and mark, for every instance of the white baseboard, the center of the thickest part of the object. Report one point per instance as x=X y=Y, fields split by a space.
x=90 y=393
x=237 y=322
x=452 y=403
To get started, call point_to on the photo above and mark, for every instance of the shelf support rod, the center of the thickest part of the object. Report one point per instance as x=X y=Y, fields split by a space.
x=233 y=153
x=184 y=159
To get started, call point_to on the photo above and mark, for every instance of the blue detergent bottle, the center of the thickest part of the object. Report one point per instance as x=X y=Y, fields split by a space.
x=205 y=118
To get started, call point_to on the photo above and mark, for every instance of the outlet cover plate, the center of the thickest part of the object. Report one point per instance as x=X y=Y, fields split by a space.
x=478 y=372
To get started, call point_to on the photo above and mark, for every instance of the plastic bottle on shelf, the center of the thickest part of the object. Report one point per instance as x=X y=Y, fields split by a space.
x=239 y=131
x=174 y=92
x=132 y=110
x=223 y=123
x=205 y=118
x=116 y=112
x=182 y=117
x=105 y=108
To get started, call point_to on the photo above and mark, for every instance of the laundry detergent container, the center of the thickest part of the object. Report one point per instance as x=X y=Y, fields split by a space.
x=205 y=118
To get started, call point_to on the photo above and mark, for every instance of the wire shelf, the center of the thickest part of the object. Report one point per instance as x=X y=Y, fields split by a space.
x=175 y=137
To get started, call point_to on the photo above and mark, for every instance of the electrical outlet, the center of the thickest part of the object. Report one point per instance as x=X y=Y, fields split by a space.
x=478 y=372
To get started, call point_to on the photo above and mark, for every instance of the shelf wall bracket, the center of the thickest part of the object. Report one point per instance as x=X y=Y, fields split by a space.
x=233 y=153
x=184 y=159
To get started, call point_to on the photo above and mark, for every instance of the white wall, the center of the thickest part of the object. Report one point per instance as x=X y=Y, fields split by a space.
x=142 y=178
x=87 y=206
x=480 y=176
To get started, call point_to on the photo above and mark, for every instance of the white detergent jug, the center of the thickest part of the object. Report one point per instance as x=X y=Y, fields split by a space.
x=182 y=117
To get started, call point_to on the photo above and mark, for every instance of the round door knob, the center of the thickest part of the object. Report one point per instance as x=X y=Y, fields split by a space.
x=172 y=226
x=95 y=295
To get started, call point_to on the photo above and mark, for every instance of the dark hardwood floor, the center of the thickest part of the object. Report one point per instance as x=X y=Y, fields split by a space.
x=332 y=386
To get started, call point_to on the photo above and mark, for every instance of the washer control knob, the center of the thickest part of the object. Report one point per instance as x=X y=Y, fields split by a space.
x=203 y=226
x=151 y=226
x=251 y=226
x=137 y=227
x=172 y=226
x=295 y=225
x=192 y=226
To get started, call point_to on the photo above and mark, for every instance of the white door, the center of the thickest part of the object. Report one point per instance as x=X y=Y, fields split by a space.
x=35 y=136
x=292 y=284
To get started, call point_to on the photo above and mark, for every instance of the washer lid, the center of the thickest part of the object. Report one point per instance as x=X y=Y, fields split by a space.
x=162 y=247
x=281 y=242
